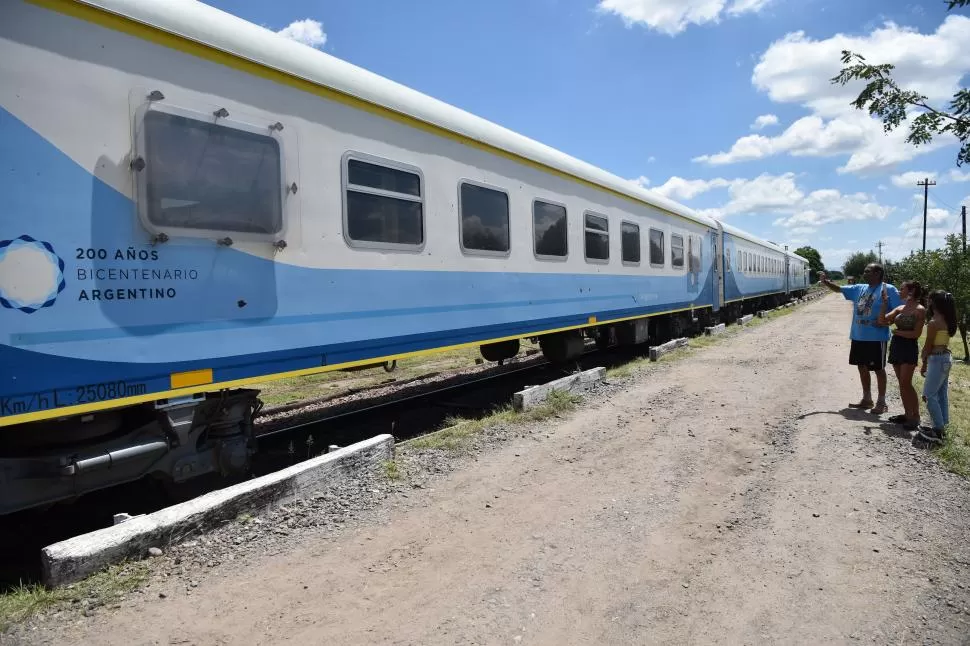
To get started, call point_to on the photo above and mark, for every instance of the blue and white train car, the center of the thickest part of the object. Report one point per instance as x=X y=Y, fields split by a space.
x=190 y=204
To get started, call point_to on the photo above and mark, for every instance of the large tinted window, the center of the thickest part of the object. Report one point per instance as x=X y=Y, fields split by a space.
x=677 y=251
x=202 y=175
x=656 y=247
x=696 y=255
x=630 y=238
x=597 y=237
x=549 y=229
x=484 y=219
x=384 y=204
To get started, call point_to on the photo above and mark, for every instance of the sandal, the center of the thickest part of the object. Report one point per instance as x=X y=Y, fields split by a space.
x=865 y=403
x=879 y=409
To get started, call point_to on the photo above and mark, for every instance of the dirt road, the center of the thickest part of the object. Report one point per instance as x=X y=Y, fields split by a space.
x=727 y=498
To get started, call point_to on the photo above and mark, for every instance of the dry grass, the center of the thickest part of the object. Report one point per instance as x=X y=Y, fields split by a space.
x=458 y=431
x=25 y=601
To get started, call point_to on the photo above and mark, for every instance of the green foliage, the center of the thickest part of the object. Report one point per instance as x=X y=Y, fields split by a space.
x=883 y=98
x=835 y=275
x=814 y=259
x=855 y=263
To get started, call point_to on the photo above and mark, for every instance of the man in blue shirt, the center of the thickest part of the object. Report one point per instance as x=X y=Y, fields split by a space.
x=869 y=337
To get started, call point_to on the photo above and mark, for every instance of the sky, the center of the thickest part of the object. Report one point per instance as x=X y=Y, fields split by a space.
x=722 y=105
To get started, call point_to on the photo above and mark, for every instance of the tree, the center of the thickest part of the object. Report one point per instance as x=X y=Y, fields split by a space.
x=835 y=274
x=814 y=259
x=883 y=98
x=855 y=263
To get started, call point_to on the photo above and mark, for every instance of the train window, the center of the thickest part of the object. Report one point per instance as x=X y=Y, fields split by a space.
x=549 y=230
x=383 y=203
x=630 y=239
x=210 y=177
x=484 y=219
x=740 y=261
x=676 y=250
x=656 y=248
x=694 y=254
x=597 y=229
x=727 y=261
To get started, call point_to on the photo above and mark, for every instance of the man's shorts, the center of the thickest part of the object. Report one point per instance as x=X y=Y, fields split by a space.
x=871 y=354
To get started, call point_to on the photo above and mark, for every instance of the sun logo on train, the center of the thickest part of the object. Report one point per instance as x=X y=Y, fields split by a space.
x=31 y=274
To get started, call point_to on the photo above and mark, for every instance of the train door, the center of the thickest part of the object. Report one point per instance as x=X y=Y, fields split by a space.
x=787 y=274
x=717 y=247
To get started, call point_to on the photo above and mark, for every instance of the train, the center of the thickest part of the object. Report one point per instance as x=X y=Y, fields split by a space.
x=191 y=204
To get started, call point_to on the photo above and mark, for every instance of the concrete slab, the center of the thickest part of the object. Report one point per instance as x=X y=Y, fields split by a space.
x=745 y=319
x=660 y=350
x=763 y=314
x=720 y=328
x=78 y=557
x=535 y=395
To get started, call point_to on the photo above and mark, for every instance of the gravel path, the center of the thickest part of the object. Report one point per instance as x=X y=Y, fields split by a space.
x=729 y=498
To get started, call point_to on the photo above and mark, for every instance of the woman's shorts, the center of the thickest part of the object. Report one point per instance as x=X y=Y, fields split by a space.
x=903 y=351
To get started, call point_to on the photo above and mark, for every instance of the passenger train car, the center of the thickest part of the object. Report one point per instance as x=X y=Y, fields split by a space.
x=190 y=204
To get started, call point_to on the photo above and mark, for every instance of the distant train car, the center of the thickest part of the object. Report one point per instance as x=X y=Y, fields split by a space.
x=192 y=204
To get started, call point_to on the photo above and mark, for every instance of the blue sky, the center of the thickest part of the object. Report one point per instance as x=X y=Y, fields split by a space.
x=669 y=93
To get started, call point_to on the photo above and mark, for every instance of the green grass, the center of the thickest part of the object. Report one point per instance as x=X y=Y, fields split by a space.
x=391 y=471
x=955 y=452
x=458 y=431
x=25 y=601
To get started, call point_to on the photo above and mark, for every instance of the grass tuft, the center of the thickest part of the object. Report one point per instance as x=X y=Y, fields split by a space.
x=458 y=431
x=391 y=470
x=23 y=602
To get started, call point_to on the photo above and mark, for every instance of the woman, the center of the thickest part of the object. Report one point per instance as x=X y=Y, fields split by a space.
x=904 y=348
x=942 y=316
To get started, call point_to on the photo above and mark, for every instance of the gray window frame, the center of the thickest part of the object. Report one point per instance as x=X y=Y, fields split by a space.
x=683 y=250
x=546 y=257
x=346 y=186
x=631 y=263
x=597 y=261
x=141 y=177
x=663 y=248
x=461 y=221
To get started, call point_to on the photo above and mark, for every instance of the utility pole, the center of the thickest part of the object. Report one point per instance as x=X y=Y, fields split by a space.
x=926 y=184
x=879 y=244
x=963 y=215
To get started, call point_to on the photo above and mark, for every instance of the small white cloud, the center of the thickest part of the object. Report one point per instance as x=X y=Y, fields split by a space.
x=308 y=31
x=909 y=178
x=674 y=16
x=957 y=176
x=643 y=181
x=651 y=159
x=764 y=121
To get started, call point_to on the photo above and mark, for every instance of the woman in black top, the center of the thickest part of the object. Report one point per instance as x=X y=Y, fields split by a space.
x=904 y=348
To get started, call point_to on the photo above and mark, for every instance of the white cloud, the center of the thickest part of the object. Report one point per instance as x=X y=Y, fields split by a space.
x=643 y=181
x=651 y=159
x=957 y=176
x=674 y=16
x=909 y=178
x=780 y=195
x=764 y=121
x=797 y=70
x=309 y=32
x=678 y=188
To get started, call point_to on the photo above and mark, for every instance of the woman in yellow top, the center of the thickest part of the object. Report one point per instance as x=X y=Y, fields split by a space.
x=942 y=317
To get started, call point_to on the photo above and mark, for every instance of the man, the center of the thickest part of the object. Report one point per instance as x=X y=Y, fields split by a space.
x=868 y=336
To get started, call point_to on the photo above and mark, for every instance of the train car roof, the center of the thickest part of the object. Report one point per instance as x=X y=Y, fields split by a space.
x=734 y=231
x=194 y=21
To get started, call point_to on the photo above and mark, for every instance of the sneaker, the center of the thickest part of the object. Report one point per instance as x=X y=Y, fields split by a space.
x=930 y=435
x=898 y=419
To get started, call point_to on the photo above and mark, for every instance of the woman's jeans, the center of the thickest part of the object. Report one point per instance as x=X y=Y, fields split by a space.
x=935 y=388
